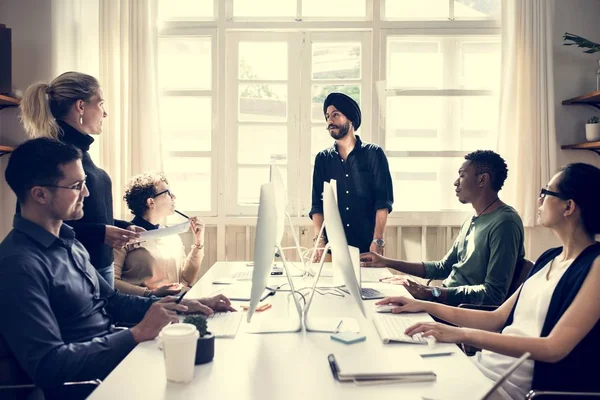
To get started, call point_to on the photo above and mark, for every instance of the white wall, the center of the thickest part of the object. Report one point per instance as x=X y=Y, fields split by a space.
x=574 y=75
x=30 y=22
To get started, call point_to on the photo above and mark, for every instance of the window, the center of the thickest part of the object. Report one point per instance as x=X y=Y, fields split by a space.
x=185 y=78
x=440 y=103
x=243 y=84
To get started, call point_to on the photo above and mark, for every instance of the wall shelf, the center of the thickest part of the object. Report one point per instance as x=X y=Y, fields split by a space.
x=591 y=146
x=7 y=101
x=590 y=99
x=5 y=150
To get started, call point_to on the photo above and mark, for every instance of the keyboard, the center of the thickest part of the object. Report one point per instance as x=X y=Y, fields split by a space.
x=370 y=294
x=374 y=274
x=242 y=275
x=391 y=328
x=223 y=324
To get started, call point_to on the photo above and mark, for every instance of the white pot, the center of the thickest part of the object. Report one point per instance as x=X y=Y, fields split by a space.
x=592 y=132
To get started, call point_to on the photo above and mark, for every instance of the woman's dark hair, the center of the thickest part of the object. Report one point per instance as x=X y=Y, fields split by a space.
x=580 y=182
x=141 y=188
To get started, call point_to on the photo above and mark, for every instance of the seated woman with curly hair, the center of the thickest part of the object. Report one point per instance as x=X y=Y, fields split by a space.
x=157 y=267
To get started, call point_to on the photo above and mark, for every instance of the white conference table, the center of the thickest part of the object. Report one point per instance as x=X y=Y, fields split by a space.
x=289 y=365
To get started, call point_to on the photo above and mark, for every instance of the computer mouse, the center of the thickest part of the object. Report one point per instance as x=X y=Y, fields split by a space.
x=430 y=341
x=385 y=308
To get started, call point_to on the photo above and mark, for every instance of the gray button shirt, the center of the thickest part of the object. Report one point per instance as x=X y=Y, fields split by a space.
x=56 y=311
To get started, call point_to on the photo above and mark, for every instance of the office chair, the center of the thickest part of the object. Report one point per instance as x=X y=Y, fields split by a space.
x=534 y=394
x=16 y=384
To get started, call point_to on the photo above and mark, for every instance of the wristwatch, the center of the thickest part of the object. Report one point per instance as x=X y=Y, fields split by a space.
x=436 y=292
x=379 y=242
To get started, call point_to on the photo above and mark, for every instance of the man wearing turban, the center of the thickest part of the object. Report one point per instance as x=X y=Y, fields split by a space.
x=364 y=184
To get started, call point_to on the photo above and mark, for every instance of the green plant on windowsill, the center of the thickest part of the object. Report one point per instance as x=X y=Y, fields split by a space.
x=205 y=348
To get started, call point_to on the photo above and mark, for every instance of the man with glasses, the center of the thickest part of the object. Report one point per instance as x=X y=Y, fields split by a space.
x=57 y=313
x=479 y=267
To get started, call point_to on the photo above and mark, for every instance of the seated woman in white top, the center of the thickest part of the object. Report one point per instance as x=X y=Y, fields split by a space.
x=554 y=315
x=157 y=267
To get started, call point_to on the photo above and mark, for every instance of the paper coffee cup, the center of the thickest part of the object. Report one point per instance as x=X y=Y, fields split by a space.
x=179 y=348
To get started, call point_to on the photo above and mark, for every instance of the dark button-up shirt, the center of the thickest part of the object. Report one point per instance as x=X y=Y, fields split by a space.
x=56 y=311
x=364 y=185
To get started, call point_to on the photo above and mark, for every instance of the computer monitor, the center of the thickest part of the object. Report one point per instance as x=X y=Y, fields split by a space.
x=266 y=234
x=339 y=247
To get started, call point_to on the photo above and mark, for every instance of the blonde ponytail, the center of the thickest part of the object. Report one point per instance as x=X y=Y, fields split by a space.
x=43 y=104
x=35 y=113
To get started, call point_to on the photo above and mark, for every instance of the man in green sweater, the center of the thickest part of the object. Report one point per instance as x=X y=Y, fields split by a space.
x=479 y=267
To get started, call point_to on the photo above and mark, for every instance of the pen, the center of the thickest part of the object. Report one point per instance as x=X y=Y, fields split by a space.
x=180 y=297
x=441 y=354
x=182 y=214
x=337 y=329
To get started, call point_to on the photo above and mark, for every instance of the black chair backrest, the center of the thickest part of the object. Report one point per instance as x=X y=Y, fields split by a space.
x=521 y=273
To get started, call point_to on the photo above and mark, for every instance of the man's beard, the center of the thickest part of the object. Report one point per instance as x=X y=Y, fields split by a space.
x=342 y=131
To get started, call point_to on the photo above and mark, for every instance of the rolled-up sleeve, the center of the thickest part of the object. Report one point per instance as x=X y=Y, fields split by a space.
x=42 y=353
x=317 y=188
x=384 y=189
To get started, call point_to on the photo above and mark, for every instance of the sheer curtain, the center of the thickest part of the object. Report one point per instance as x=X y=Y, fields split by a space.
x=131 y=141
x=526 y=136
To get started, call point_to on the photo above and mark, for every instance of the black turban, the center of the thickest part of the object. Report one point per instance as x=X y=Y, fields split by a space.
x=346 y=105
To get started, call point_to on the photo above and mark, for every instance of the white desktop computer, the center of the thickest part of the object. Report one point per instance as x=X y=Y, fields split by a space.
x=340 y=249
x=266 y=241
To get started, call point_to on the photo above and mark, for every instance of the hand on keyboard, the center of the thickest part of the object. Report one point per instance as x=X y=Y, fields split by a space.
x=437 y=332
x=405 y=304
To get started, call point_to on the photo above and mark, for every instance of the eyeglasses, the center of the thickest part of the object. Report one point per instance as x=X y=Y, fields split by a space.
x=544 y=193
x=76 y=186
x=163 y=192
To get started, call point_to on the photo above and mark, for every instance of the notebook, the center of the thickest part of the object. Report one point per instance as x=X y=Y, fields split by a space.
x=363 y=367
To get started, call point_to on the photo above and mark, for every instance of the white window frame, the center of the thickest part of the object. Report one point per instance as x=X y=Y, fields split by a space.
x=212 y=93
x=366 y=100
x=298 y=17
x=233 y=40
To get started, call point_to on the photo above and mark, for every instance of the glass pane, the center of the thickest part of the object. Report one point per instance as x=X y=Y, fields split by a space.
x=185 y=9
x=414 y=64
x=249 y=181
x=190 y=180
x=320 y=140
x=181 y=134
x=262 y=144
x=320 y=92
x=185 y=63
x=417 y=9
x=336 y=60
x=262 y=102
x=480 y=65
x=432 y=178
x=415 y=123
x=263 y=61
x=334 y=9
x=477 y=9
x=264 y=8
x=479 y=123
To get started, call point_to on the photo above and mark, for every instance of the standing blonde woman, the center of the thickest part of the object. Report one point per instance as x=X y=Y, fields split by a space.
x=71 y=109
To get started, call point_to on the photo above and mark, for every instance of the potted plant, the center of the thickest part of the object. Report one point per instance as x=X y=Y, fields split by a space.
x=205 y=350
x=592 y=129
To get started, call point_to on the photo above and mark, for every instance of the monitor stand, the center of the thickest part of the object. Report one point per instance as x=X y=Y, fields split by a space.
x=280 y=325
x=326 y=324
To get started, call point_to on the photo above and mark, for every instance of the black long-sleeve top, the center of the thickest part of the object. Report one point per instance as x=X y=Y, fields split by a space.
x=98 y=206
